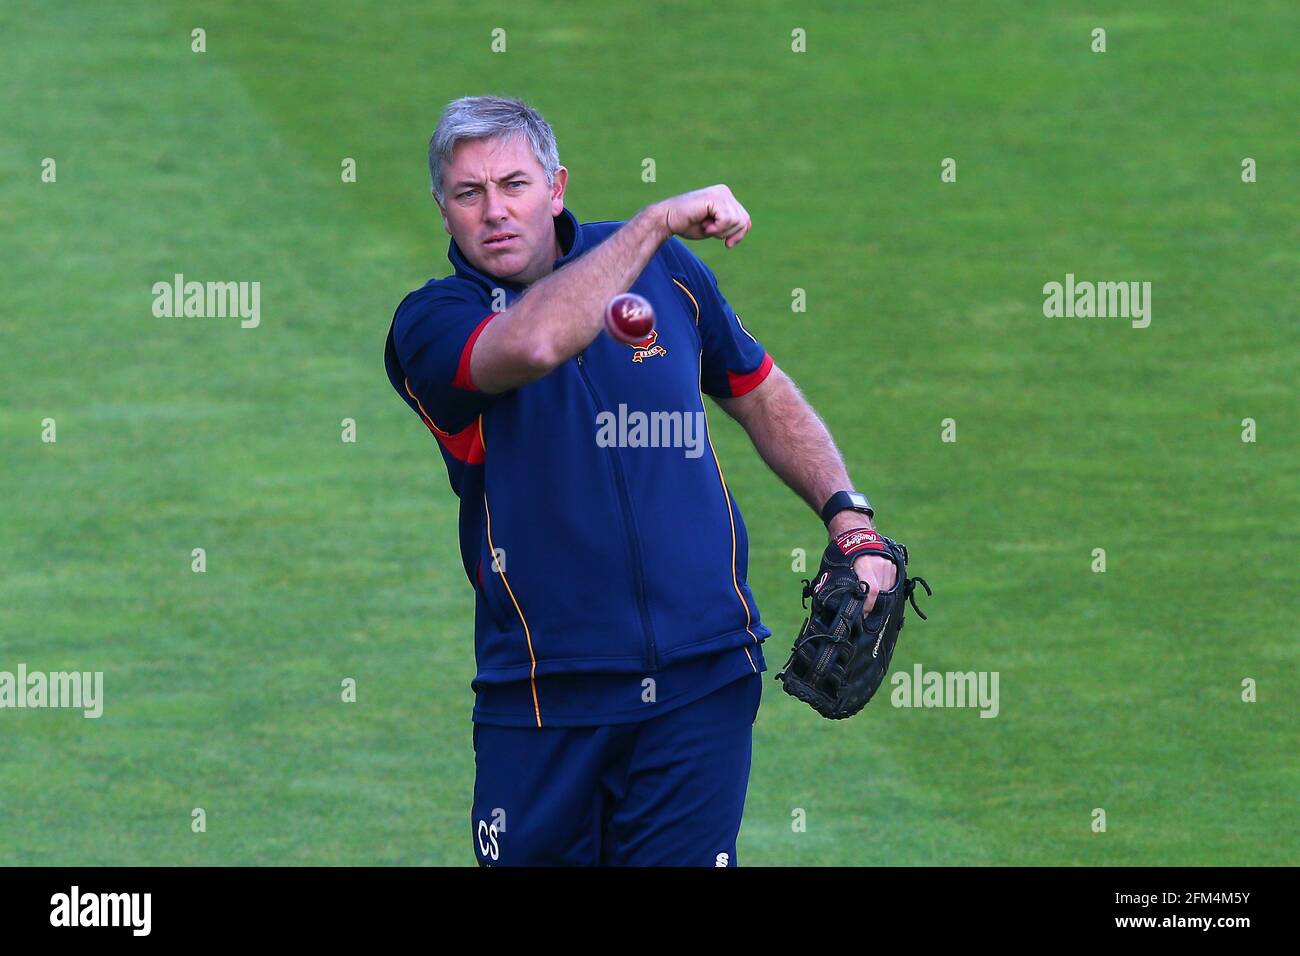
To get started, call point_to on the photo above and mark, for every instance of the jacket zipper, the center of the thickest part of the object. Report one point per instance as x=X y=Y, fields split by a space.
x=634 y=549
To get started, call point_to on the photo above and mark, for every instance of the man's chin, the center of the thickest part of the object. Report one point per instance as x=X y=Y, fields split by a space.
x=508 y=267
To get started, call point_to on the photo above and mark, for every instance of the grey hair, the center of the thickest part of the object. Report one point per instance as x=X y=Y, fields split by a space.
x=482 y=117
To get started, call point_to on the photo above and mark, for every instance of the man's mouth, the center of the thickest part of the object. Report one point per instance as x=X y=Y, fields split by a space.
x=503 y=239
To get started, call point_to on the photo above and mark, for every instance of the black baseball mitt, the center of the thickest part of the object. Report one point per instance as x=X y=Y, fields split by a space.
x=840 y=657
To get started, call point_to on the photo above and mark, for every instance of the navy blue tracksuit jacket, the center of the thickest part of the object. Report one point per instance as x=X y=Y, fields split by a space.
x=596 y=564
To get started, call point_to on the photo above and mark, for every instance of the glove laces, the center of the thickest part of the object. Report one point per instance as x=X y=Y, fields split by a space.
x=909 y=589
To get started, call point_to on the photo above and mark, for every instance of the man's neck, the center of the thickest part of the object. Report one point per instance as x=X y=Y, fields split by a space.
x=559 y=254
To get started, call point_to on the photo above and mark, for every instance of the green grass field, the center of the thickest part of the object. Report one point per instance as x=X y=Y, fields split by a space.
x=327 y=560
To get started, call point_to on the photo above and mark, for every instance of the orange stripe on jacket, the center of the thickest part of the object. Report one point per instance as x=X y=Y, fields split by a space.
x=726 y=496
x=691 y=297
x=528 y=634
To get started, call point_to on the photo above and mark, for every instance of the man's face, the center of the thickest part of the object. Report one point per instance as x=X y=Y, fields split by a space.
x=496 y=186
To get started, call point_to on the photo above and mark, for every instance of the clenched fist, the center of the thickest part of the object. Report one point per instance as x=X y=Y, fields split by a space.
x=709 y=213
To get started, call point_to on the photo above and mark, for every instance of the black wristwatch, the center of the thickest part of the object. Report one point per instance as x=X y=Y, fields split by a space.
x=846 y=501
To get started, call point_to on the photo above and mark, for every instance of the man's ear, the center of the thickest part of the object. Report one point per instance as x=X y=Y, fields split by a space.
x=441 y=212
x=557 y=190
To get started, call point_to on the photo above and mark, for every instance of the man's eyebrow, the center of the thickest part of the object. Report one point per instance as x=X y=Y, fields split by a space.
x=517 y=174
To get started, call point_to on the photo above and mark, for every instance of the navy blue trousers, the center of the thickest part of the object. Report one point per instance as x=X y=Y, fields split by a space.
x=666 y=791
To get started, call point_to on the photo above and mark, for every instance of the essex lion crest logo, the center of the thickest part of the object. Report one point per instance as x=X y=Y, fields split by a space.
x=647 y=348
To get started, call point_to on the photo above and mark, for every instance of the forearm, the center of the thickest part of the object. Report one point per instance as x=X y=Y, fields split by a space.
x=564 y=311
x=795 y=443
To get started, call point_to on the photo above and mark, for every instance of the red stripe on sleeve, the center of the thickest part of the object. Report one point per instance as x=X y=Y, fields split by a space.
x=740 y=384
x=462 y=379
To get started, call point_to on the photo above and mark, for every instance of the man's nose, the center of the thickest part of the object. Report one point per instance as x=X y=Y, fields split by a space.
x=494 y=206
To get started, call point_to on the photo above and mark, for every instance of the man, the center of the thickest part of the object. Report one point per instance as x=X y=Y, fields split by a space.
x=616 y=638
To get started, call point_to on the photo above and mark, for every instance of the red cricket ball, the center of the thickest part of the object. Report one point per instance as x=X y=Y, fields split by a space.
x=629 y=317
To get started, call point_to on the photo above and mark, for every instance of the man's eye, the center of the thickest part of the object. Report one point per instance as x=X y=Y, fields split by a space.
x=468 y=192
x=518 y=182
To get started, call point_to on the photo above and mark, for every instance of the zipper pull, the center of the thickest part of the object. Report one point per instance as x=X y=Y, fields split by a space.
x=579 y=358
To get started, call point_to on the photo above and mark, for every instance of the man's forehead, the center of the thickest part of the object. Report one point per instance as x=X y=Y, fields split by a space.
x=498 y=155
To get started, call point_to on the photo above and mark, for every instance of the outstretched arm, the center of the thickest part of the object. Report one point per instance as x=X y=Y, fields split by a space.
x=563 y=311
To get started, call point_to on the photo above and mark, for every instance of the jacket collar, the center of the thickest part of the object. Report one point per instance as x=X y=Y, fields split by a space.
x=567 y=230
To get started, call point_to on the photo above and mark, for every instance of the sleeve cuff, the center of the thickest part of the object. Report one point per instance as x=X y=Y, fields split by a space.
x=740 y=384
x=461 y=379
